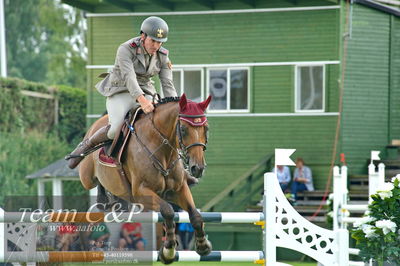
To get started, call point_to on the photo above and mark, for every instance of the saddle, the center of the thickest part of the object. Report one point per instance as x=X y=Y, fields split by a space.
x=112 y=154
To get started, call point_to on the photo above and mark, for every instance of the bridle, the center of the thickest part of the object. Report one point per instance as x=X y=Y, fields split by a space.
x=182 y=152
x=179 y=133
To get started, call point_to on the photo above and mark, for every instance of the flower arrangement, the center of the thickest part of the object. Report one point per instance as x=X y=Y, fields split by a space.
x=378 y=232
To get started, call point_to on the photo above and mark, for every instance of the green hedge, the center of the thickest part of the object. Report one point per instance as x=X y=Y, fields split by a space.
x=29 y=138
x=72 y=113
x=19 y=112
x=22 y=113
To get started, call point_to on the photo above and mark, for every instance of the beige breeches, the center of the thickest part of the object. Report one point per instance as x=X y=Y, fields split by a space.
x=118 y=106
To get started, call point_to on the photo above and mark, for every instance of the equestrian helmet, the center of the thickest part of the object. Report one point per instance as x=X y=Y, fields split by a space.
x=156 y=28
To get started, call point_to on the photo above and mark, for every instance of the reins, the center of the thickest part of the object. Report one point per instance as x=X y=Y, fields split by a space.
x=181 y=153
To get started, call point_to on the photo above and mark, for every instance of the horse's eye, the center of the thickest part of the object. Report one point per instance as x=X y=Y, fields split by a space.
x=184 y=131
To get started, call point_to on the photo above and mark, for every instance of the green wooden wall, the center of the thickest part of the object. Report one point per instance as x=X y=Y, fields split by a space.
x=237 y=143
x=365 y=123
x=394 y=78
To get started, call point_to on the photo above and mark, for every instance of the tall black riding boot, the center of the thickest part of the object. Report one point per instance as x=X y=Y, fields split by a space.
x=98 y=137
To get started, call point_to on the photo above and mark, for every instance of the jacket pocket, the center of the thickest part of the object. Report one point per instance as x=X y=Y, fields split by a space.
x=116 y=79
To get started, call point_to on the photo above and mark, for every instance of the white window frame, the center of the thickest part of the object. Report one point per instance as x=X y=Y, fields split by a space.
x=228 y=93
x=182 y=81
x=297 y=87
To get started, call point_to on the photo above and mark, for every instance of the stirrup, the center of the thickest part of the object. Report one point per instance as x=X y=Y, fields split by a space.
x=71 y=156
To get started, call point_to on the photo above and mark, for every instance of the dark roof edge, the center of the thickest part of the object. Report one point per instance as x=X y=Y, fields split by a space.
x=379 y=6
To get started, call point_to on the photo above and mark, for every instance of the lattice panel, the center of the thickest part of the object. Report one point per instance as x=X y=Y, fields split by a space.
x=295 y=232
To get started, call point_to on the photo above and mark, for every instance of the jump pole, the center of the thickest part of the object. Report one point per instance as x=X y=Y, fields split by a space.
x=149 y=217
x=130 y=256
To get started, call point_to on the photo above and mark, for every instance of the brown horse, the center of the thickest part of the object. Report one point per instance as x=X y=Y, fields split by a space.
x=154 y=168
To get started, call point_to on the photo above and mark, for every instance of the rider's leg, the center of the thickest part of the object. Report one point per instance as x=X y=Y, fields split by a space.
x=98 y=137
x=117 y=107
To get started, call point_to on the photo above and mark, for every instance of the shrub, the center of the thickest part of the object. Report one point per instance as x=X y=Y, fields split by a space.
x=22 y=113
x=72 y=113
x=378 y=233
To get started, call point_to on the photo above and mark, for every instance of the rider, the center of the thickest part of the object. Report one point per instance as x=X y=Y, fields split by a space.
x=129 y=84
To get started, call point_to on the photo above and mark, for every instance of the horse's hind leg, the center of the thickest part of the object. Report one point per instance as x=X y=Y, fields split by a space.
x=184 y=199
x=152 y=201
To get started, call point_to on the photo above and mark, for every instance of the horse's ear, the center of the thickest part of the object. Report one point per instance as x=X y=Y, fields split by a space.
x=203 y=105
x=183 y=102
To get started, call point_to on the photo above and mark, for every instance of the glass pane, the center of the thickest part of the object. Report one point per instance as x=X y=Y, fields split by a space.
x=239 y=89
x=176 y=76
x=192 y=84
x=218 y=89
x=311 y=88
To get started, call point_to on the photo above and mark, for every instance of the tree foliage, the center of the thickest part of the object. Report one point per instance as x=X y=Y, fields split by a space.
x=45 y=42
x=22 y=154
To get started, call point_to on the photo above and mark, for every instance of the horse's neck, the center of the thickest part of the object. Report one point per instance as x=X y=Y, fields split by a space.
x=165 y=119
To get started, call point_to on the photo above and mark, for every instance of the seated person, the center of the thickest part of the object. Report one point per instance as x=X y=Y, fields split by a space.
x=98 y=236
x=302 y=179
x=131 y=237
x=283 y=174
x=66 y=234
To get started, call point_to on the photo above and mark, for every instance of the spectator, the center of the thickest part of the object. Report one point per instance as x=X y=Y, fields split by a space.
x=98 y=236
x=66 y=235
x=283 y=174
x=302 y=179
x=131 y=237
x=185 y=231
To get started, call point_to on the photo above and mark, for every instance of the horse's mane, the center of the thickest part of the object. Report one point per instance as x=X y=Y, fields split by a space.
x=167 y=100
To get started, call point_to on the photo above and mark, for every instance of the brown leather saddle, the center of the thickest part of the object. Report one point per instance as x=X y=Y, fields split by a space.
x=113 y=152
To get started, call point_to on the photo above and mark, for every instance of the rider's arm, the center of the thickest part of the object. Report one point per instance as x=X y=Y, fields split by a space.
x=166 y=77
x=128 y=72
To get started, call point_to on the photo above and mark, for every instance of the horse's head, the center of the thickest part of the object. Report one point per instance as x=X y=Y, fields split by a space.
x=192 y=133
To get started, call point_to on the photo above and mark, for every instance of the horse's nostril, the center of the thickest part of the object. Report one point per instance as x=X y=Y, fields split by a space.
x=196 y=171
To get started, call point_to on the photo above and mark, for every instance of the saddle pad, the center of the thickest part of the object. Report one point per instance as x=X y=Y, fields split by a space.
x=106 y=160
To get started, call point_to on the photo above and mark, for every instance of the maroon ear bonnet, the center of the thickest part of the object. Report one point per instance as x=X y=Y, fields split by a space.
x=193 y=112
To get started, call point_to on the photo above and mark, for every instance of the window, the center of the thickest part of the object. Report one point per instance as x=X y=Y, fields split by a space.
x=229 y=89
x=190 y=82
x=309 y=91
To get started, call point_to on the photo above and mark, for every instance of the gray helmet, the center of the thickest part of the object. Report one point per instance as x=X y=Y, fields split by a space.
x=156 y=28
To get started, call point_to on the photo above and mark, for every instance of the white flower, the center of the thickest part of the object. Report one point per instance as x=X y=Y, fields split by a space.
x=346 y=213
x=369 y=231
x=331 y=195
x=367 y=212
x=330 y=214
x=385 y=190
x=363 y=220
x=386 y=226
x=396 y=177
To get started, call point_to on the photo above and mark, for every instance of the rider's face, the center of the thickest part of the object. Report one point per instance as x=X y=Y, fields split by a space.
x=150 y=45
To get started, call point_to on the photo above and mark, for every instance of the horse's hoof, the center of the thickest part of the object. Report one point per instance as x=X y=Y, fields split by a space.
x=204 y=248
x=163 y=253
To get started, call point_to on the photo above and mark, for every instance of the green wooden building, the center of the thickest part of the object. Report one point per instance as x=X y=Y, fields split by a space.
x=320 y=76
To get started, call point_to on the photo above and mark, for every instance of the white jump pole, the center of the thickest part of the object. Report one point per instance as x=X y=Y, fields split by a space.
x=270 y=223
x=375 y=179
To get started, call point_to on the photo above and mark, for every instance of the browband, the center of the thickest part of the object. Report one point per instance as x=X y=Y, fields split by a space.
x=191 y=116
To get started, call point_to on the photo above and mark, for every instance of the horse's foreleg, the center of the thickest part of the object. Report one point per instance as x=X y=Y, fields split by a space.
x=184 y=199
x=152 y=201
